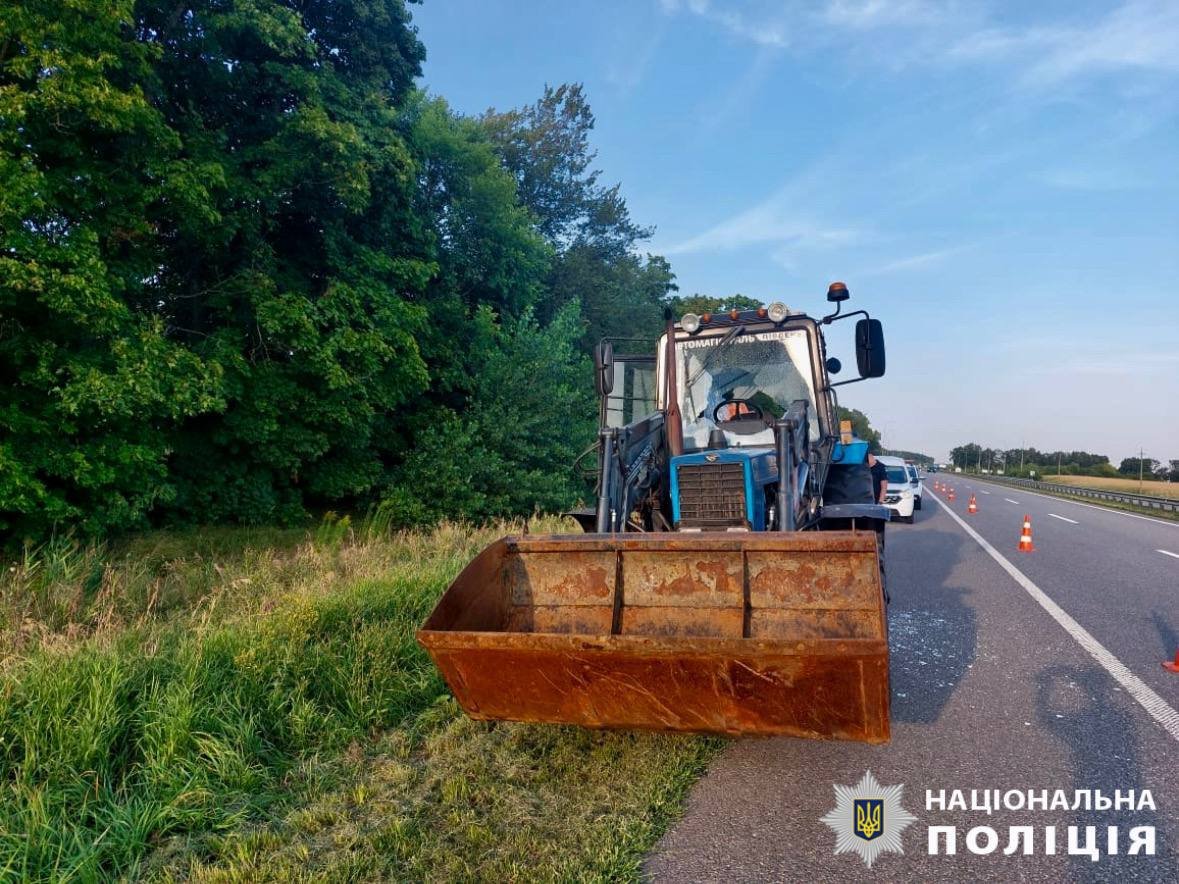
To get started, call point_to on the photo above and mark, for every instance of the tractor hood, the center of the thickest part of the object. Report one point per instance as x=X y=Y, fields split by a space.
x=722 y=488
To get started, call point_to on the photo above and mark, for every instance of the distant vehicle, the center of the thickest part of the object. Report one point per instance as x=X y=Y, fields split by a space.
x=899 y=497
x=932 y=468
x=915 y=484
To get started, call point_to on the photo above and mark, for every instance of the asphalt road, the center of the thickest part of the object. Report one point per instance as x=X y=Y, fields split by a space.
x=990 y=691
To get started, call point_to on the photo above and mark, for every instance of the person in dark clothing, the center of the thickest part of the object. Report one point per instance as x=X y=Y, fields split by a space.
x=879 y=477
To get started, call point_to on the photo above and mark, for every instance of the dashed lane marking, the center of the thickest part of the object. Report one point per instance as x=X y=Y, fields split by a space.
x=1106 y=509
x=1168 y=553
x=1009 y=500
x=1158 y=708
x=1063 y=519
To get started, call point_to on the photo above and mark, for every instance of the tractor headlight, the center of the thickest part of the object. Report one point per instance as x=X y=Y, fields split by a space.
x=778 y=312
x=690 y=323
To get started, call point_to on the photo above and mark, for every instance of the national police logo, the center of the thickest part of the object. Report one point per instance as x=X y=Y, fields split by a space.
x=868 y=819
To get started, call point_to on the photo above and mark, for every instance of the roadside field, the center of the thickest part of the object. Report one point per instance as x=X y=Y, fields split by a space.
x=239 y=704
x=1125 y=486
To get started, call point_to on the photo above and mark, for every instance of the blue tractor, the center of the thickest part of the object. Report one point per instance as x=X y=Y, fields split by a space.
x=730 y=578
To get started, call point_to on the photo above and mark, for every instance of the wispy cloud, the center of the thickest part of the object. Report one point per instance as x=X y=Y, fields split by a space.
x=914 y=262
x=1095 y=180
x=869 y=14
x=1136 y=35
x=765 y=224
x=776 y=222
x=764 y=32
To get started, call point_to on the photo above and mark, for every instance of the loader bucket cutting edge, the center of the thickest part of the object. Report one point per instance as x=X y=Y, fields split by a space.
x=737 y=634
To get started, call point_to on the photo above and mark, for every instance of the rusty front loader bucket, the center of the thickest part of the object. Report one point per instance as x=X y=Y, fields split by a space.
x=772 y=633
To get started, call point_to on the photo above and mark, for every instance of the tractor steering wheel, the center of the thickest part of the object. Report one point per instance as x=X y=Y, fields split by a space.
x=752 y=412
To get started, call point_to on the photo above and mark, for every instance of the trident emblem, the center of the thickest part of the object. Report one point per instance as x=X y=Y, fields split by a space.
x=869 y=817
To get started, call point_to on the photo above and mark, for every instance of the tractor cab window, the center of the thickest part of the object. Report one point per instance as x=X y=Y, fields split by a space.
x=632 y=395
x=743 y=384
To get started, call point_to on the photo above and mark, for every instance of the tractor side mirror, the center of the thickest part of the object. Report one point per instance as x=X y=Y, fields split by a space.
x=870 y=348
x=604 y=368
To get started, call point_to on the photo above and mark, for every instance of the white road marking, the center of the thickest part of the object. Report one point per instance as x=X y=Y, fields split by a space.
x=1063 y=519
x=1158 y=708
x=1167 y=553
x=1106 y=509
x=1009 y=500
x=980 y=491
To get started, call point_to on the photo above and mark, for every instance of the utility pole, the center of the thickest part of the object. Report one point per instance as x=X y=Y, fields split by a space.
x=1022 y=447
x=1140 y=464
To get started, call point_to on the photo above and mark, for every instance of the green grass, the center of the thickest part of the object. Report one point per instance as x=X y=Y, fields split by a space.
x=245 y=705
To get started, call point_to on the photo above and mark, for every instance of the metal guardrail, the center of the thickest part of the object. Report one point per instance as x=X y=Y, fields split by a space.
x=1146 y=501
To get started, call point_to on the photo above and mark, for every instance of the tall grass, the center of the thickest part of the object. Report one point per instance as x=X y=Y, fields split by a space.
x=160 y=699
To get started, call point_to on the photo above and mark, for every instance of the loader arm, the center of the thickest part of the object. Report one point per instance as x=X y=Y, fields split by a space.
x=631 y=461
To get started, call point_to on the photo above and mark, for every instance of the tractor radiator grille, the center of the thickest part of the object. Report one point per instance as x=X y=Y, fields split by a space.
x=712 y=495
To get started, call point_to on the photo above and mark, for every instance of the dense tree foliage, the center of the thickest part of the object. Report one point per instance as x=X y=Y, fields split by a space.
x=596 y=262
x=708 y=304
x=248 y=271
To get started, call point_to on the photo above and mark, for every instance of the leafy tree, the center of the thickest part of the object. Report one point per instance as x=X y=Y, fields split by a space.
x=708 y=304
x=305 y=287
x=90 y=176
x=915 y=456
x=546 y=147
x=248 y=270
x=1131 y=465
x=512 y=448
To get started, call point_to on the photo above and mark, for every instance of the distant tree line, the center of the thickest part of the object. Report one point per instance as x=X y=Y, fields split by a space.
x=249 y=271
x=1026 y=461
x=917 y=457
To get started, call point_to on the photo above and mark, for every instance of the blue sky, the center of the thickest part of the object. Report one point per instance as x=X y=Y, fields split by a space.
x=998 y=183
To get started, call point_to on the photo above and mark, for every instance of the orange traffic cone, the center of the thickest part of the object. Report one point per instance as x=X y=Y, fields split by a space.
x=951 y=495
x=1174 y=667
x=972 y=507
x=1025 y=538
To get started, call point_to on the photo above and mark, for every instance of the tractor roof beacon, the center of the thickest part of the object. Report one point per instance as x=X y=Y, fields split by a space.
x=730 y=579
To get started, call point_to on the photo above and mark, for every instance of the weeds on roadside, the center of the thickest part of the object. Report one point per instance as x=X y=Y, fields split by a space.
x=159 y=699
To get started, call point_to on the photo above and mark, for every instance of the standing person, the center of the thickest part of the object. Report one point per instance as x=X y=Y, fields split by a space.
x=879 y=477
x=880 y=485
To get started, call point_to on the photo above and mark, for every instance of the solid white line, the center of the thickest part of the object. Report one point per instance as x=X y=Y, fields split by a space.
x=1158 y=708
x=1063 y=519
x=1166 y=553
x=1106 y=509
x=1009 y=500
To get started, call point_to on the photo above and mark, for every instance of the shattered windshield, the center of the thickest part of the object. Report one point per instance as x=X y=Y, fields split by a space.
x=768 y=370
